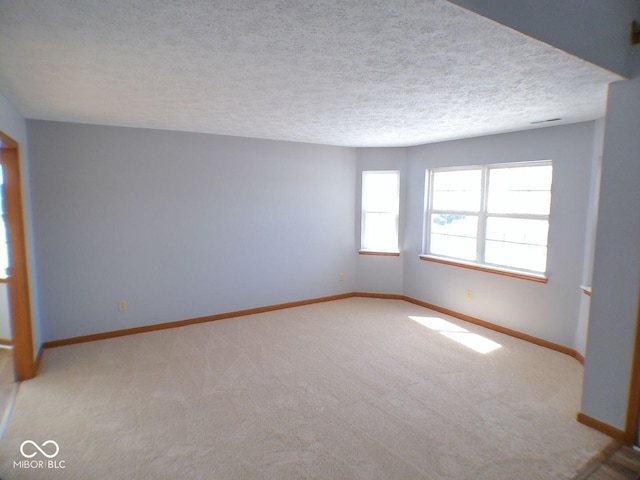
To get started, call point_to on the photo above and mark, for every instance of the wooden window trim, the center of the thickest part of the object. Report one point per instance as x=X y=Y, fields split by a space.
x=532 y=277
x=380 y=254
x=482 y=215
x=363 y=211
x=586 y=290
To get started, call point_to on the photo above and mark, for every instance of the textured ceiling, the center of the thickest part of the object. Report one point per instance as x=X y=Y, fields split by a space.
x=339 y=72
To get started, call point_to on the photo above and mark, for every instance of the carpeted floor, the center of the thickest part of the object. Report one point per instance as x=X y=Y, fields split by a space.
x=8 y=386
x=357 y=388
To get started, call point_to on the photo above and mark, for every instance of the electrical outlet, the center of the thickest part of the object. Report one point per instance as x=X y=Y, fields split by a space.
x=122 y=305
x=341 y=276
x=469 y=294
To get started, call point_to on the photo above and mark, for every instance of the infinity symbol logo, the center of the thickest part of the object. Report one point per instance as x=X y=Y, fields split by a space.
x=25 y=455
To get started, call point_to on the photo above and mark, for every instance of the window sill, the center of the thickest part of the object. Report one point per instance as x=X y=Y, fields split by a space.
x=485 y=268
x=380 y=254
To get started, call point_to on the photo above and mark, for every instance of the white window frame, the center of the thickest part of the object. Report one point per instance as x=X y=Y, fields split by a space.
x=483 y=215
x=392 y=211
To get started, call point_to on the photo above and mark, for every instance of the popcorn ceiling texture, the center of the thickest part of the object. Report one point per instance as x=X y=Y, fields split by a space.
x=351 y=73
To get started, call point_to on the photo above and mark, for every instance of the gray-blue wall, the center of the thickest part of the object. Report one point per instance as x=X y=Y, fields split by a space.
x=183 y=225
x=616 y=271
x=382 y=274
x=595 y=30
x=548 y=311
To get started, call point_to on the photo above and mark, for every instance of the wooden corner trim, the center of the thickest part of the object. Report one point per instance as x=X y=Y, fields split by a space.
x=190 y=321
x=7 y=141
x=605 y=428
x=578 y=356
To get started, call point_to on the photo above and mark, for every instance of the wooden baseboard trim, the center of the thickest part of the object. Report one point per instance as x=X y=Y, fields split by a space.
x=581 y=417
x=251 y=311
x=498 y=328
x=578 y=356
x=387 y=296
x=605 y=428
x=6 y=342
x=190 y=321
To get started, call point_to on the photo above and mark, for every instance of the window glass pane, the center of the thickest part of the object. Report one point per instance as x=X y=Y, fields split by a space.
x=457 y=190
x=380 y=232
x=380 y=191
x=511 y=191
x=516 y=255
x=519 y=243
x=454 y=236
x=518 y=230
x=520 y=190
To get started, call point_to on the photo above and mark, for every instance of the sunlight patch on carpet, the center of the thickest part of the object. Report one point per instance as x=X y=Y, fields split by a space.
x=458 y=334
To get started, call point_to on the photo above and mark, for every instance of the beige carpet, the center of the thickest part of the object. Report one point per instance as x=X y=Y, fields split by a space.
x=346 y=389
x=8 y=387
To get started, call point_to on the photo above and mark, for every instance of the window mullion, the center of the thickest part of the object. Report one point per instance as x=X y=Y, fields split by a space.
x=455 y=212
x=363 y=209
x=524 y=216
x=521 y=239
x=482 y=216
x=427 y=211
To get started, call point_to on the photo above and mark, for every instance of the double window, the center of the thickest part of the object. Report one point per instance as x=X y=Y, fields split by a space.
x=492 y=215
x=380 y=208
